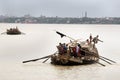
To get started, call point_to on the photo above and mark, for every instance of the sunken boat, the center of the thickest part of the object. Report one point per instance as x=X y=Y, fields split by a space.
x=13 y=31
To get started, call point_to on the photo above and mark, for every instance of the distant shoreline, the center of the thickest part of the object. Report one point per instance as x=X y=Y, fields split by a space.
x=59 y=20
x=56 y=24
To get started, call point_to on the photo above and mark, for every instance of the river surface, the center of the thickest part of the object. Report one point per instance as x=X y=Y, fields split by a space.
x=41 y=40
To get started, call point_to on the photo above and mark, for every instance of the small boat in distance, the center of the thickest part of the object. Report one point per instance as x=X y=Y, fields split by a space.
x=13 y=31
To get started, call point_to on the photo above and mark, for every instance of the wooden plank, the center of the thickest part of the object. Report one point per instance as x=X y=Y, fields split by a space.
x=75 y=60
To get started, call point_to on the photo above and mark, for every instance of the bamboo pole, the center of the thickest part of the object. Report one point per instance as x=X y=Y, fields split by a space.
x=108 y=59
x=39 y=58
x=46 y=60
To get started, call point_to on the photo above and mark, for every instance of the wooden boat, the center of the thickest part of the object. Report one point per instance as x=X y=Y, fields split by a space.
x=89 y=55
x=85 y=52
x=13 y=31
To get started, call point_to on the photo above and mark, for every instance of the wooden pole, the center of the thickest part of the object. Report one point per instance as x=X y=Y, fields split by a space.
x=100 y=63
x=46 y=60
x=37 y=59
x=108 y=59
x=104 y=60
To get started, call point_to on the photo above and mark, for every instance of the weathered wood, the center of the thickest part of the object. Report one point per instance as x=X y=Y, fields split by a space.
x=95 y=56
x=77 y=60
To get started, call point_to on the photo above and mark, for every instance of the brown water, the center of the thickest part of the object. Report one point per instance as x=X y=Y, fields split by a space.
x=41 y=40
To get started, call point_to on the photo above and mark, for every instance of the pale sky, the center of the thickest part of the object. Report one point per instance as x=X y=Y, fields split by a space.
x=62 y=8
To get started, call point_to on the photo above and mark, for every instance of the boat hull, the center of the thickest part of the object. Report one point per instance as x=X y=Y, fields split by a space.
x=13 y=33
x=58 y=60
x=85 y=62
x=87 y=57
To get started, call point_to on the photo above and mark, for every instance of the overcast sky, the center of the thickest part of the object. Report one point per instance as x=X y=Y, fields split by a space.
x=62 y=8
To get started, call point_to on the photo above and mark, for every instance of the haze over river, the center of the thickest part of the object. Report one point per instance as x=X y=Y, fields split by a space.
x=41 y=40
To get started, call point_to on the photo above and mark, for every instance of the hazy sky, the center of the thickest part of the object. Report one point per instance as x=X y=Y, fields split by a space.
x=68 y=8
